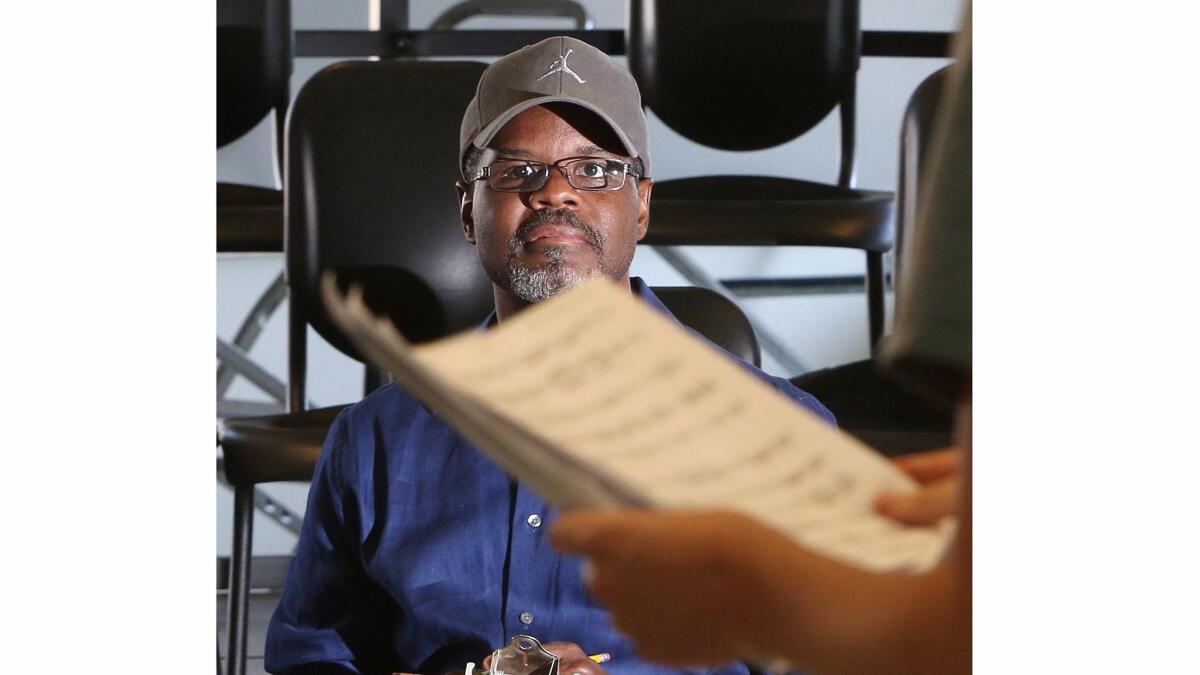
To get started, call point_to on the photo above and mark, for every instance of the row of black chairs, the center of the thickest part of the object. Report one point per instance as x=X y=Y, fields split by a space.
x=731 y=76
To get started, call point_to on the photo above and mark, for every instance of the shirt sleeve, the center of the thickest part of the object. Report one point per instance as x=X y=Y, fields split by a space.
x=328 y=618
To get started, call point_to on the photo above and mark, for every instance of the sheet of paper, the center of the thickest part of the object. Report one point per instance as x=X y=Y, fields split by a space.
x=602 y=400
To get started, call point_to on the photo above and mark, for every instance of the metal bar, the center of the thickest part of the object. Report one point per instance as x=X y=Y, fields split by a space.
x=772 y=345
x=906 y=43
x=846 y=114
x=239 y=578
x=252 y=326
x=848 y=122
x=393 y=14
x=297 y=357
x=875 y=297
x=279 y=123
x=467 y=9
x=285 y=517
x=243 y=365
x=795 y=286
x=392 y=43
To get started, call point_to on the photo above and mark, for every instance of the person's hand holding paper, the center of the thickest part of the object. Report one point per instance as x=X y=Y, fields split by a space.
x=939 y=473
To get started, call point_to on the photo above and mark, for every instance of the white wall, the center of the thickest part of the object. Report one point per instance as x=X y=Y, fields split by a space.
x=822 y=330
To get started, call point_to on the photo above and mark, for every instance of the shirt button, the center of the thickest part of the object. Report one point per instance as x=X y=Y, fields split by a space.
x=534 y=520
x=526 y=618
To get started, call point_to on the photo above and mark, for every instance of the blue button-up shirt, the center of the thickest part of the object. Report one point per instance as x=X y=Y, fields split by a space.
x=419 y=554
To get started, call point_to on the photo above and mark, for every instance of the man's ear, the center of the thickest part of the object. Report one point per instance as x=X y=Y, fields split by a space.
x=645 y=186
x=465 y=196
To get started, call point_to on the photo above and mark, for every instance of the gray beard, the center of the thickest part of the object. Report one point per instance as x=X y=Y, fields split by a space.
x=554 y=277
x=535 y=284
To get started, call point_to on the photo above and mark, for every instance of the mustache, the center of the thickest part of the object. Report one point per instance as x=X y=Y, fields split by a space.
x=561 y=217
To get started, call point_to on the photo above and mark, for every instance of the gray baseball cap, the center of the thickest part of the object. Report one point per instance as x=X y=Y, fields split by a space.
x=556 y=69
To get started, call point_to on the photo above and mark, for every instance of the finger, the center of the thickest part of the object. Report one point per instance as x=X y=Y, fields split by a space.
x=596 y=534
x=565 y=651
x=930 y=466
x=579 y=666
x=923 y=507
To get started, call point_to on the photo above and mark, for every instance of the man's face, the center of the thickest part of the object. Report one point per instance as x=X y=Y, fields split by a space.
x=537 y=244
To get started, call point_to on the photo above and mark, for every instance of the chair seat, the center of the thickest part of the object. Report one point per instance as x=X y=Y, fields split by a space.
x=876 y=410
x=768 y=211
x=249 y=219
x=275 y=447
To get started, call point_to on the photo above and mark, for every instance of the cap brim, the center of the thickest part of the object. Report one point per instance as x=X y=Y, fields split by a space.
x=489 y=132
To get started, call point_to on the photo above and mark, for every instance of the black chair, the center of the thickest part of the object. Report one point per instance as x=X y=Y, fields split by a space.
x=369 y=184
x=868 y=405
x=916 y=132
x=747 y=76
x=371 y=164
x=254 y=63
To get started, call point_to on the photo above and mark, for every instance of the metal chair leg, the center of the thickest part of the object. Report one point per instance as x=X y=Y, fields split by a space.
x=239 y=578
x=875 y=292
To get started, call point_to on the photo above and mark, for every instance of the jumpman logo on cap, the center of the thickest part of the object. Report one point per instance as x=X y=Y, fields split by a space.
x=560 y=66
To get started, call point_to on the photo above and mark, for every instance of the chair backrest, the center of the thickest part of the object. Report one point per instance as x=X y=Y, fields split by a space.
x=715 y=317
x=372 y=159
x=254 y=62
x=743 y=75
x=916 y=130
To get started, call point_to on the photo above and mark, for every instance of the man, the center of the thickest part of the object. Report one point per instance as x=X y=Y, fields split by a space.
x=697 y=588
x=418 y=554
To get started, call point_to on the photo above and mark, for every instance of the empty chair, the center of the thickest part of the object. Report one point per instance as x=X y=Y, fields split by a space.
x=868 y=405
x=748 y=76
x=254 y=62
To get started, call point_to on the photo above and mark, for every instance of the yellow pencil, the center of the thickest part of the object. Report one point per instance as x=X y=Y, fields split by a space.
x=601 y=657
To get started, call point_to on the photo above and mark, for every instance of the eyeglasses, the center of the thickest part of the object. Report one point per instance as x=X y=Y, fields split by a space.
x=583 y=173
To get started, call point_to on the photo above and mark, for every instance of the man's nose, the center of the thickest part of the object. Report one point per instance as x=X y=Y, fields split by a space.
x=556 y=193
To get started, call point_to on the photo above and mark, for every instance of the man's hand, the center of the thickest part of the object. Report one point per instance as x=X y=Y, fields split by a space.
x=572 y=659
x=939 y=472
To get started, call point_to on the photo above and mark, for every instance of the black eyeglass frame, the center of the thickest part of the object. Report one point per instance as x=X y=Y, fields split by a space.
x=625 y=169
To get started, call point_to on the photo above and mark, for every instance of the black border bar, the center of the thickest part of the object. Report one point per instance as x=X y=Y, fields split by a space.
x=422 y=43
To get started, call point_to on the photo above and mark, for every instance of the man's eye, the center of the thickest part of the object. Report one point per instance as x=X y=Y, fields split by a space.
x=520 y=171
x=591 y=169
